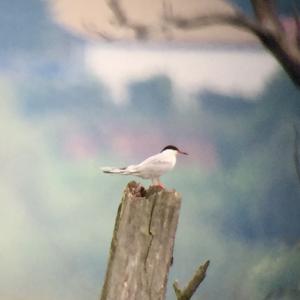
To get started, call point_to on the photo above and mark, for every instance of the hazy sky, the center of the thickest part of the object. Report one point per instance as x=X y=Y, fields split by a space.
x=232 y=71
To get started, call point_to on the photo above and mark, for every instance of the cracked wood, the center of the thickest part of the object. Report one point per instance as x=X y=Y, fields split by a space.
x=142 y=246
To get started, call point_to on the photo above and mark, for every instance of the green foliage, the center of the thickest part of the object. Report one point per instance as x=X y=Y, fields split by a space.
x=256 y=150
x=234 y=212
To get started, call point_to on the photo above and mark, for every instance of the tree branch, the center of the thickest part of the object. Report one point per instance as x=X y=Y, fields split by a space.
x=297 y=23
x=266 y=27
x=192 y=286
x=93 y=30
x=237 y=19
x=141 y=31
x=296 y=152
x=266 y=15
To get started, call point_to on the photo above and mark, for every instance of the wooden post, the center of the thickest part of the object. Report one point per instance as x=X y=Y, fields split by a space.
x=141 y=250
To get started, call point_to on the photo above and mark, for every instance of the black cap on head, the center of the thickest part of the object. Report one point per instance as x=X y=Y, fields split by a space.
x=171 y=147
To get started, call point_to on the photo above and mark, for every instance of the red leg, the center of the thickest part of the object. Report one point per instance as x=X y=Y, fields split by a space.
x=156 y=182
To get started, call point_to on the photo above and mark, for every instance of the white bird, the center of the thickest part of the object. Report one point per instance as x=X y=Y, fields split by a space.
x=152 y=167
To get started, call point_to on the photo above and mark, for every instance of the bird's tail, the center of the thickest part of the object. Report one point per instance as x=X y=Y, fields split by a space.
x=123 y=171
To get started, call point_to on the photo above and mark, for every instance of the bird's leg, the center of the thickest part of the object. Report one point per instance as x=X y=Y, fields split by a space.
x=156 y=182
x=160 y=184
x=153 y=181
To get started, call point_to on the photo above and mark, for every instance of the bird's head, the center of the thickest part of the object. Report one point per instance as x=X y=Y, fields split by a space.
x=174 y=149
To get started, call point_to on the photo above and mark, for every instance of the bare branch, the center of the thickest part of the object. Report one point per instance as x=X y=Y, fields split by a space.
x=238 y=20
x=93 y=30
x=167 y=10
x=141 y=32
x=119 y=14
x=192 y=286
x=268 y=20
x=296 y=152
x=297 y=23
x=266 y=27
x=265 y=12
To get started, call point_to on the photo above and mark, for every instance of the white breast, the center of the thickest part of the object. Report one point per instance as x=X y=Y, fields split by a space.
x=157 y=165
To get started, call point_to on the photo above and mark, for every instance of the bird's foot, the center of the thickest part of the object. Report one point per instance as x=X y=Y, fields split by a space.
x=161 y=186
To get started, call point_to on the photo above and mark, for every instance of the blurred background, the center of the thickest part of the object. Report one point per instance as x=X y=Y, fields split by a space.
x=71 y=101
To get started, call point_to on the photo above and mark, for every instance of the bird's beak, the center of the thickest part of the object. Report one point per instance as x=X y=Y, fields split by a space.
x=181 y=152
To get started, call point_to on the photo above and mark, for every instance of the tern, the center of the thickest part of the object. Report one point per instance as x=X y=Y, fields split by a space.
x=151 y=168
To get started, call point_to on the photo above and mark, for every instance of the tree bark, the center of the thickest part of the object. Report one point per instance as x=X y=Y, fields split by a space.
x=142 y=245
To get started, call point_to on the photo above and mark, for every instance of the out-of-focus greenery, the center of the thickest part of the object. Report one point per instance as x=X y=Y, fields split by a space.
x=241 y=211
x=59 y=124
x=256 y=149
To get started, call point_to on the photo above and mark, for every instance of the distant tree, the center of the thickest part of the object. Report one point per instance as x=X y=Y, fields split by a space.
x=265 y=23
x=254 y=140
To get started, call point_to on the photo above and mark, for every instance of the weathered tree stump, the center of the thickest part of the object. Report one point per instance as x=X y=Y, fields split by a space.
x=142 y=245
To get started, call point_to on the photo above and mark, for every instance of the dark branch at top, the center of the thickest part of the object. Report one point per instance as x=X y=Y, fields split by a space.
x=297 y=24
x=92 y=29
x=267 y=16
x=141 y=31
x=266 y=26
x=296 y=152
x=238 y=20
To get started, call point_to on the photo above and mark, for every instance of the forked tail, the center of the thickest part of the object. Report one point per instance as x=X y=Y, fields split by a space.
x=112 y=170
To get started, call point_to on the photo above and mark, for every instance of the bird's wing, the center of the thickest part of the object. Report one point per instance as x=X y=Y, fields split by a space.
x=155 y=165
x=156 y=159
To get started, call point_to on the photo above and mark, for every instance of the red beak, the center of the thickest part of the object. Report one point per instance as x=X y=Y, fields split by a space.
x=181 y=152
